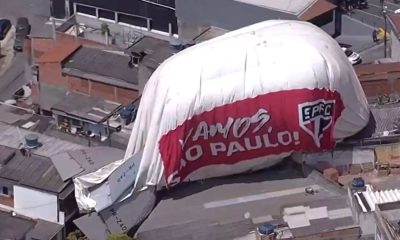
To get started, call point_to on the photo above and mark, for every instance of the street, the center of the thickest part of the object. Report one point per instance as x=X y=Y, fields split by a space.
x=14 y=68
x=373 y=15
x=37 y=11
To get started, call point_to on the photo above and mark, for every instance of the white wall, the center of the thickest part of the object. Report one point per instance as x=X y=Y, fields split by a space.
x=35 y=204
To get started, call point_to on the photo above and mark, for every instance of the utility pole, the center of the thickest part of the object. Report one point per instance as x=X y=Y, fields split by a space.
x=384 y=13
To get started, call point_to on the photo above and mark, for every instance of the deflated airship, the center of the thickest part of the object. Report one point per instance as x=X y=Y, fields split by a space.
x=244 y=101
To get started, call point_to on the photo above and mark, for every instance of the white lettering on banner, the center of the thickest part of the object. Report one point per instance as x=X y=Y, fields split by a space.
x=262 y=136
x=239 y=126
x=194 y=153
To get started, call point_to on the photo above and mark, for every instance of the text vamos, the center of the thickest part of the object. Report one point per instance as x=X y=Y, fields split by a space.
x=232 y=141
x=236 y=131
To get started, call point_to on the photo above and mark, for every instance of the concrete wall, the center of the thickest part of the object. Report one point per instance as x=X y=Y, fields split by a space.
x=226 y=14
x=36 y=204
x=395 y=47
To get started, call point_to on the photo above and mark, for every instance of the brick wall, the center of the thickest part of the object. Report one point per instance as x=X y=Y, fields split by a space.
x=103 y=91
x=50 y=73
x=376 y=88
x=126 y=96
x=77 y=84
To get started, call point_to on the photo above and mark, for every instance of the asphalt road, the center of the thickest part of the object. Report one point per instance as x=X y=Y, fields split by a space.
x=37 y=11
x=373 y=15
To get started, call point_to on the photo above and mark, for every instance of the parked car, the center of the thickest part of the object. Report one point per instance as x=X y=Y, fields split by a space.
x=5 y=26
x=353 y=57
x=22 y=30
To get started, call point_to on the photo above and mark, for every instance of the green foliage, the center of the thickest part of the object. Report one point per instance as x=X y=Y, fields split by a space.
x=105 y=29
x=76 y=235
x=119 y=236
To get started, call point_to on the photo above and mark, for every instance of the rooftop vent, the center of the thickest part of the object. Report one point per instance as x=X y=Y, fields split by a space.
x=136 y=58
x=32 y=141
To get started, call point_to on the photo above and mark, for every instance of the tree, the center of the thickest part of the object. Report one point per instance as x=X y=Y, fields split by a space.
x=76 y=235
x=119 y=236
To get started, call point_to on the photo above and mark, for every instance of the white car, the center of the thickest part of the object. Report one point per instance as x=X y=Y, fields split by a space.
x=353 y=57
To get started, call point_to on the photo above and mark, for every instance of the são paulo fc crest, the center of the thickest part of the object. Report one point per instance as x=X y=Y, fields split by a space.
x=316 y=117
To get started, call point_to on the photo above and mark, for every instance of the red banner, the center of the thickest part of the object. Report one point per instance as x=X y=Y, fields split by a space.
x=269 y=124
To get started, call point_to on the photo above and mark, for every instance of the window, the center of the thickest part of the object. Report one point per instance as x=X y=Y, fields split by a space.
x=132 y=20
x=86 y=10
x=4 y=190
x=106 y=14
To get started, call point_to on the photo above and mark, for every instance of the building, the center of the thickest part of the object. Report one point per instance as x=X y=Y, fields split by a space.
x=232 y=207
x=234 y=14
x=394 y=23
x=27 y=173
x=379 y=79
x=125 y=21
x=152 y=15
x=13 y=226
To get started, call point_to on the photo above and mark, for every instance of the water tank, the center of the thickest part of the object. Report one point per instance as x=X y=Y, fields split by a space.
x=266 y=229
x=32 y=141
x=358 y=182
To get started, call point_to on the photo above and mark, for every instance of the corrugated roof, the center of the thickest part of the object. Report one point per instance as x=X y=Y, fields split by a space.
x=44 y=230
x=385 y=117
x=86 y=107
x=72 y=163
x=318 y=8
x=368 y=199
x=14 y=227
x=227 y=200
x=34 y=171
x=103 y=63
x=12 y=137
x=58 y=53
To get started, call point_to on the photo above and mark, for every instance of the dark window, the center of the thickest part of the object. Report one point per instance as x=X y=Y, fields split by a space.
x=86 y=10
x=57 y=8
x=132 y=20
x=106 y=14
x=5 y=190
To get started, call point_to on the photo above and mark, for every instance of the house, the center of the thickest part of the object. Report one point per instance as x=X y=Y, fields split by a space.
x=379 y=79
x=232 y=207
x=387 y=221
x=27 y=173
x=394 y=23
x=13 y=226
x=234 y=14
x=150 y=15
x=90 y=71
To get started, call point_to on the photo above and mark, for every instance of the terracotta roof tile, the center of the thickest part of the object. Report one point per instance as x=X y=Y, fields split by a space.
x=318 y=8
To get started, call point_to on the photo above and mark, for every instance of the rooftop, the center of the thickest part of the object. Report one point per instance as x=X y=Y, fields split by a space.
x=156 y=51
x=14 y=227
x=101 y=65
x=79 y=162
x=240 y=202
x=34 y=171
x=44 y=230
x=86 y=107
x=304 y=10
